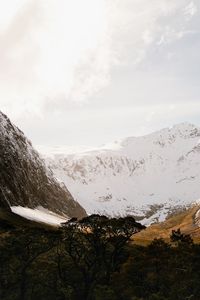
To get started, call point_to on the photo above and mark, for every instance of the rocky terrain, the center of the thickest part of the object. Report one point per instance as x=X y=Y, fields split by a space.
x=25 y=181
x=150 y=177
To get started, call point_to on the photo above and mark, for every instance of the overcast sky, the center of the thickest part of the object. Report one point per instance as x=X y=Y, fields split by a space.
x=76 y=72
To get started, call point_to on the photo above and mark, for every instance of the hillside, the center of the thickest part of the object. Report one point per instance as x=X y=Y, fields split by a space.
x=25 y=181
x=149 y=177
x=187 y=221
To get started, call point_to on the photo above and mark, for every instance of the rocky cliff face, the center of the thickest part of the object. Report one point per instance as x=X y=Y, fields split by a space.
x=150 y=176
x=25 y=180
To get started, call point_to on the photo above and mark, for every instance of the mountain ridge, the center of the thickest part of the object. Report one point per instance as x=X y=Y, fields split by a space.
x=140 y=176
x=24 y=178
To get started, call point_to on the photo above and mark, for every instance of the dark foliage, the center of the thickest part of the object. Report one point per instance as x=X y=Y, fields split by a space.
x=73 y=262
x=93 y=259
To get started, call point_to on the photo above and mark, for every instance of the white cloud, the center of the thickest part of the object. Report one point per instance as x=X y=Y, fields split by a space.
x=43 y=48
x=51 y=51
x=59 y=54
x=190 y=10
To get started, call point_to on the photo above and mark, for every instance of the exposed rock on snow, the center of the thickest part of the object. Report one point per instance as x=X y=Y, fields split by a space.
x=160 y=170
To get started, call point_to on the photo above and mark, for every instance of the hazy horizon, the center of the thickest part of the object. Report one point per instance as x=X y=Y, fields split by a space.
x=112 y=144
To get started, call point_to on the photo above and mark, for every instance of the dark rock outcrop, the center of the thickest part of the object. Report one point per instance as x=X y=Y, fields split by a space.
x=24 y=178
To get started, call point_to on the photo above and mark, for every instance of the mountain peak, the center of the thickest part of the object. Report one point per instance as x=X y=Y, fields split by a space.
x=149 y=176
x=163 y=137
x=185 y=130
x=185 y=126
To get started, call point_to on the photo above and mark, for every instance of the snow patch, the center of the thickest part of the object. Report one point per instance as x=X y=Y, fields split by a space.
x=39 y=214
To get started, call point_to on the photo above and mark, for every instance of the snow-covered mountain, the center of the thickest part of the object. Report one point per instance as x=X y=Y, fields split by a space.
x=26 y=182
x=148 y=176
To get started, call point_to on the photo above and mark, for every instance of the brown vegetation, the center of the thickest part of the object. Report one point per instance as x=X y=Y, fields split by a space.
x=185 y=221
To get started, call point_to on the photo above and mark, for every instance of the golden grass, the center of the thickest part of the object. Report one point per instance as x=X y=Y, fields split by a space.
x=184 y=221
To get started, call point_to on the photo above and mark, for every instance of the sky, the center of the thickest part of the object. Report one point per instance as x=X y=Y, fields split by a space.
x=76 y=72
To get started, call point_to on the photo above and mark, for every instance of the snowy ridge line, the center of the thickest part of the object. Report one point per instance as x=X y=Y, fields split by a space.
x=149 y=176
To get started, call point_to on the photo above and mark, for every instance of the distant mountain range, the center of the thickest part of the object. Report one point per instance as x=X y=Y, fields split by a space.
x=27 y=186
x=149 y=177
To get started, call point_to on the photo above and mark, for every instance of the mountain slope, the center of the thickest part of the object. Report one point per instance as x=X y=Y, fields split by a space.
x=24 y=179
x=149 y=177
x=187 y=221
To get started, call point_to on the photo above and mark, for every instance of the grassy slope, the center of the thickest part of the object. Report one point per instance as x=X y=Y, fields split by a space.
x=184 y=221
